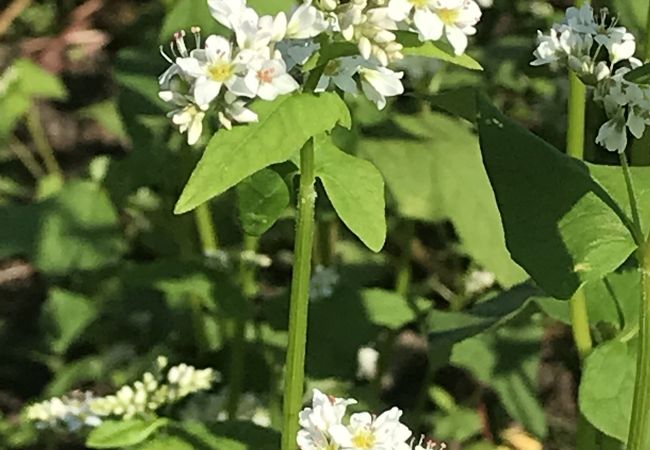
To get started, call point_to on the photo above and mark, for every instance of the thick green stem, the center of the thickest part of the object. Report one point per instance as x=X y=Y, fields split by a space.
x=639 y=435
x=295 y=365
x=35 y=127
x=207 y=231
x=575 y=144
x=238 y=349
x=404 y=272
x=580 y=323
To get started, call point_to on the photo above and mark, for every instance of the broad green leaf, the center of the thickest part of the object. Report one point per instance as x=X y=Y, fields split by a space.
x=508 y=359
x=67 y=314
x=452 y=327
x=389 y=309
x=262 y=199
x=77 y=229
x=356 y=189
x=186 y=14
x=458 y=424
x=435 y=172
x=26 y=81
x=607 y=387
x=284 y=126
x=560 y=224
x=329 y=52
x=168 y=443
x=613 y=301
x=123 y=433
x=225 y=436
x=413 y=46
x=272 y=6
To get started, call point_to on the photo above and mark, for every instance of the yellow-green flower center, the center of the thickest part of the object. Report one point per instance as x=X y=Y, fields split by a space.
x=221 y=71
x=448 y=16
x=419 y=3
x=332 y=68
x=364 y=439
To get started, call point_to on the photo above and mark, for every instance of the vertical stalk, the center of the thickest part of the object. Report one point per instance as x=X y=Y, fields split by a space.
x=35 y=127
x=238 y=349
x=585 y=434
x=207 y=231
x=404 y=272
x=295 y=364
x=639 y=435
x=647 y=35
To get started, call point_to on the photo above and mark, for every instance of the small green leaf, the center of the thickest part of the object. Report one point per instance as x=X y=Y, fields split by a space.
x=413 y=46
x=67 y=314
x=388 y=309
x=560 y=224
x=262 y=199
x=356 y=189
x=607 y=388
x=263 y=7
x=640 y=75
x=123 y=433
x=284 y=126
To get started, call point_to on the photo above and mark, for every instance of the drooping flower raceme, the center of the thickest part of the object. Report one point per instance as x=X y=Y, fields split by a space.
x=264 y=57
x=600 y=52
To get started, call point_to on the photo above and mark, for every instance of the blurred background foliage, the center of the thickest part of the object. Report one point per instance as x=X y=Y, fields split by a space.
x=97 y=277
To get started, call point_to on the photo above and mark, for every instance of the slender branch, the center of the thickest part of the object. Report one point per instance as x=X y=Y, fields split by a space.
x=10 y=14
x=207 y=231
x=27 y=158
x=35 y=127
x=404 y=272
x=295 y=365
x=639 y=434
x=580 y=323
x=629 y=184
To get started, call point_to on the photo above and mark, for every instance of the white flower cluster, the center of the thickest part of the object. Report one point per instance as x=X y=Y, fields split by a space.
x=323 y=428
x=600 y=52
x=263 y=59
x=145 y=396
x=71 y=412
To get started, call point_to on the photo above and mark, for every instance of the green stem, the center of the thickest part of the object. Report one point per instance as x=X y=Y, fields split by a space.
x=575 y=144
x=404 y=271
x=238 y=349
x=27 y=158
x=35 y=127
x=637 y=231
x=580 y=323
x=639 y=435
x=295 y=364
x=206 y=229
x=577 y=117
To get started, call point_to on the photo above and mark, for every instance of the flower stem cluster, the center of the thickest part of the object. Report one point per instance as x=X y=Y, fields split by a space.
x=265 y=56
x=323 y=428
x=143 y=397
x=600 y=52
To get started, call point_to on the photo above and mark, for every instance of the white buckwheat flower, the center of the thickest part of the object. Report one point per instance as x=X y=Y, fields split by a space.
x=235 y=111
x=270 y=78
x=379 y=82
x=366 y=432
x=212 y=68
x=306 y=22
x=228 y=13
x=325 y=413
